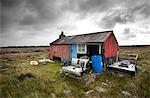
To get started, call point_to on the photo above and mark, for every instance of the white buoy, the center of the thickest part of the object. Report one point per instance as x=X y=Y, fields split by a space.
x=33 y=63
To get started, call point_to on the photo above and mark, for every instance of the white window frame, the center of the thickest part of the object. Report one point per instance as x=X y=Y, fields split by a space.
x=82 y=52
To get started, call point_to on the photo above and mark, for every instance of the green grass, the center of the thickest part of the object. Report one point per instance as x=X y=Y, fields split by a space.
x=48 y=82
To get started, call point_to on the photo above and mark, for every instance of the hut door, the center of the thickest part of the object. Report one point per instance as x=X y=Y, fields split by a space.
x=73 y=51
x=92 y=50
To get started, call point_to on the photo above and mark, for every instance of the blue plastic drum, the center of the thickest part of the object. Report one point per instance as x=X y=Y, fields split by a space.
x=97 y=64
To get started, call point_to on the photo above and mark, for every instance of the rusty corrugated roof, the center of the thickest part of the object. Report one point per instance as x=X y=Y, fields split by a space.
x=84 y=38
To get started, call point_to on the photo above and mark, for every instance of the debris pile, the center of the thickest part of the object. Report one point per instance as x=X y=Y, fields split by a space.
x=125 y=93
x=90 y=78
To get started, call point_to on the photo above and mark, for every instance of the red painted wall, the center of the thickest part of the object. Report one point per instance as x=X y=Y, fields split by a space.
x=61 y=51
x=110 y=46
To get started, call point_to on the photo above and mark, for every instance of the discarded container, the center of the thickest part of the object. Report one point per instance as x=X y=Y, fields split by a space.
x=88 y=92
x=33 y=63
x=125 y=93
x=97 y=64
x=45 y=61
x=67 y=91
x=100 y=89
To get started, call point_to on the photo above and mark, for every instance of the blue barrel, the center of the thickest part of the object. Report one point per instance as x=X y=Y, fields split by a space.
x=97 y=64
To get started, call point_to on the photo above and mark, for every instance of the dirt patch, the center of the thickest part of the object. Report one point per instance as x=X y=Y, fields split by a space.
x=3 y=66
x=25 y=76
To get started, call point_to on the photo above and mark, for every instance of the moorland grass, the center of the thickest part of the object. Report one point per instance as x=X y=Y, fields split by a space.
x=49 y=82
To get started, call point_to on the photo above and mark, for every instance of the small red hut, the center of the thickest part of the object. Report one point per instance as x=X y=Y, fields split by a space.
x=101 y=43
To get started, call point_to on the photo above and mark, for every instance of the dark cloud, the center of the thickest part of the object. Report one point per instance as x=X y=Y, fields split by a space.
x=125 y=14
x=28 y=12
x=142 y=8
x=10 y=3
x=88 y=7
x=9 y=13
x=128 y=33
x=28 y=20
x=121 y=16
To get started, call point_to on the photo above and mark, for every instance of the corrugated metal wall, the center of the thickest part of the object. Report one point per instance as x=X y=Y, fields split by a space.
x=110 y=46
x=61 y=51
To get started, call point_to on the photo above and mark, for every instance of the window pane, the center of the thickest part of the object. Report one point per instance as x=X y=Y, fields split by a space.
x=81 y=48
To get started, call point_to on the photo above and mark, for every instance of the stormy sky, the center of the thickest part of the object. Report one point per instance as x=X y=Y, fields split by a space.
x=39 y=22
